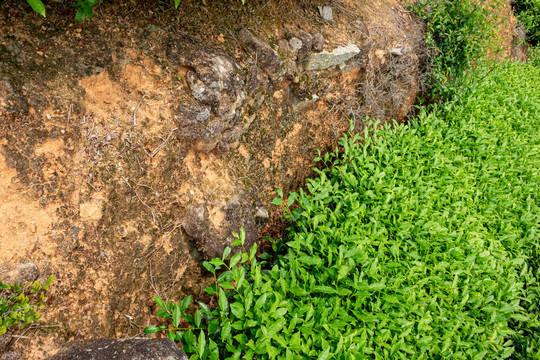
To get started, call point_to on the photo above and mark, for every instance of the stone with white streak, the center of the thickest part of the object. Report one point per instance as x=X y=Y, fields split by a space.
x=325 y=59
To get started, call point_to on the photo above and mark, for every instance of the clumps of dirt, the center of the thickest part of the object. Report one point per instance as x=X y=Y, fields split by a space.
x=21 y=234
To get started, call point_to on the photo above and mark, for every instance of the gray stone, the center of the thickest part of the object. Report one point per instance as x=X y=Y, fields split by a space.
x=10 y=355
x=325 y=59
x=295 y=44
x=217 y=71
x=201 y=92
x=195 y=223
x=326 y=13
x=152 y=28
x=399 y=50
x=23 y=273
x=114 y=349
x=5 y=340
x=195 y=123
x=253 y=79
x=290 y=67
x=302 y=104
x=306 y=40
x=192 y=114
x=261 y=217
x=224 y=147
x=283 y=46
x=266 y=56
x=317 y=41
x=228 y=106
x=519 y=49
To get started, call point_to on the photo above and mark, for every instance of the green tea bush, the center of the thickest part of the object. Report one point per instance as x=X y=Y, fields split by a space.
x=528 y=14
x=458 y=34
x=534 y=56
x=418 y=241
x=84 y=8
x=19 y=304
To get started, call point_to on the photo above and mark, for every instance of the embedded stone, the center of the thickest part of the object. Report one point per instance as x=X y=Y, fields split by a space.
x=325 y=59
x=261 y=217
x=399 y=50
x=295 y=44
x=317 y=41
x=216 y=84
x=201 y=91
x=283 y=46
x=326 y=13
x=211 y=239
x=194 y=113
x=266 y=56
x=126 y=349
x=23 y=273
x=305 y=41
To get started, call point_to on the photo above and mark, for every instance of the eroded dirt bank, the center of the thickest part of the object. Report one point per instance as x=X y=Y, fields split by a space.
x=131 y=146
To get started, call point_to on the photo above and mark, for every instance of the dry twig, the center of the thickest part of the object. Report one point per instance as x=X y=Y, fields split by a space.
x=137 y=108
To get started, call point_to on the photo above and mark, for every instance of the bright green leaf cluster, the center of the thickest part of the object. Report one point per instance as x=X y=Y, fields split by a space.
x=37 y=6
x=19 y=304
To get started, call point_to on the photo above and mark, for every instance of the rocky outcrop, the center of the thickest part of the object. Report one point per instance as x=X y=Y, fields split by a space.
x=216 y=87
x=215 y=115
x=112 y=349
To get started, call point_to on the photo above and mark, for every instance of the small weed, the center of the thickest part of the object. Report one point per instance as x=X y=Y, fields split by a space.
x=19 y=304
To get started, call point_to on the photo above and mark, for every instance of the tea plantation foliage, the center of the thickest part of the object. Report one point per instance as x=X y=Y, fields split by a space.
x=419 y=242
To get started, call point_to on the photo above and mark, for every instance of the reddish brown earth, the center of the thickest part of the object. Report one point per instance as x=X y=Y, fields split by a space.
x=95 y=186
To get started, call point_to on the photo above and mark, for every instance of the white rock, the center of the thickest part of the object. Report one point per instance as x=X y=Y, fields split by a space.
x=295 y=44
x=326 y=13
x=399 y=50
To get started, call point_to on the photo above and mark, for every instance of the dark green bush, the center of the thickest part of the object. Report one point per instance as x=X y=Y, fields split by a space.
x=458 y=34
x=528 y=14
x=417 y=242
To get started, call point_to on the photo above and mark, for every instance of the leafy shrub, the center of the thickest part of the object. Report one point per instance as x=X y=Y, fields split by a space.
x=458 y=34
x=528 y=14
x=84 y=8
x=420 y=241
x=534 y=56
x=19 y=304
